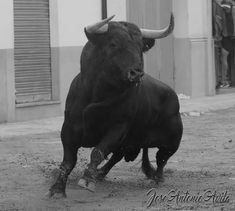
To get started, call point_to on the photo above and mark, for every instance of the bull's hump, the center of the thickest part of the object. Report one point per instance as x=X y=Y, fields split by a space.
x=158 y=96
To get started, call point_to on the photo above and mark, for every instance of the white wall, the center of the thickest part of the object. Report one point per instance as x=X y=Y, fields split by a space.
x=6 y=24
x=73 y=16
x=190 y=18
x=194 y=47
x=69 y=17
x=180 y=11
x=197 y=18
x=117 y=8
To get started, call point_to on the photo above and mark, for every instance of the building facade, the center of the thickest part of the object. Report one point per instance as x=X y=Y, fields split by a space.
x=41 y=42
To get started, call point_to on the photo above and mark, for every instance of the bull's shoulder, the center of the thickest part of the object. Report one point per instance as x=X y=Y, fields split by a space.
x=72 y=94
x=77 y=99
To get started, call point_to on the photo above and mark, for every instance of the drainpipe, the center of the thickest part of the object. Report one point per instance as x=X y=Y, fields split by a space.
x=210 y=52
x=104 y=8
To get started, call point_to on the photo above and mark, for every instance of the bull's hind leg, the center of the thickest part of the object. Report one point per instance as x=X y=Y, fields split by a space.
x=167 y=140
x=174 y=131
x=162 y=157
x=69 y=161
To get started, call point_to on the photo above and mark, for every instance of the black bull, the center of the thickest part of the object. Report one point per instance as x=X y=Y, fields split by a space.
x=116 y=108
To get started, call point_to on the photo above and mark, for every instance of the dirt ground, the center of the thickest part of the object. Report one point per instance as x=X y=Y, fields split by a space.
x=203 y=169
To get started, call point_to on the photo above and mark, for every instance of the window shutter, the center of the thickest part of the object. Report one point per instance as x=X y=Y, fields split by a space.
x=32 y=53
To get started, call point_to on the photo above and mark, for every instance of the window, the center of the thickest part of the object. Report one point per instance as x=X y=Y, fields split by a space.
x=33 y=77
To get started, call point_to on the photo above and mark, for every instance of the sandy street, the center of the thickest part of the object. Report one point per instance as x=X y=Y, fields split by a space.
x=200 y=176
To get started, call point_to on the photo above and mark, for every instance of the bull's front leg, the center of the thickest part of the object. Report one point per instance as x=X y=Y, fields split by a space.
x=57 y=190
x=104 y=170
x=110 y=143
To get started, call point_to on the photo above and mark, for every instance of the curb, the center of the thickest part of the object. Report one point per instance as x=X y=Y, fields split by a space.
x=188 y=107
x=207 y=104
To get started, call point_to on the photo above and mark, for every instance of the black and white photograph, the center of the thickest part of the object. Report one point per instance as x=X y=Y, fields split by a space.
x=117 y=105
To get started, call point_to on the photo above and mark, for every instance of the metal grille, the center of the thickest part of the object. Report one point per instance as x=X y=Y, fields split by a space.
x=32 y=54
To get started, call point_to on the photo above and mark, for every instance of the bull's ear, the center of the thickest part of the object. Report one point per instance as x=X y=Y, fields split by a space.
x=148 y=43
x=95 y=38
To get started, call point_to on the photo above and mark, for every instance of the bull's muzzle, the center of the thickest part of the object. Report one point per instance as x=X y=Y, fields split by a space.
x=135 y=75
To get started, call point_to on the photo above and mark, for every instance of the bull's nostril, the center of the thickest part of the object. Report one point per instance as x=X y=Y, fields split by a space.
x=135 y=74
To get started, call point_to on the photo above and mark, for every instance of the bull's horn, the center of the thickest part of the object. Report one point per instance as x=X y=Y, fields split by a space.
x=157 y=34
x=99 y=27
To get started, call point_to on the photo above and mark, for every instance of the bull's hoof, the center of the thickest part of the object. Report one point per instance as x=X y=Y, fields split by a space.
x=158 y=179
x=88 y=179
x=87 y=184
x=55 y=194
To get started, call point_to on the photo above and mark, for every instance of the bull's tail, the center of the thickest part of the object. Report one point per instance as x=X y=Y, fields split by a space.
x=147 y=168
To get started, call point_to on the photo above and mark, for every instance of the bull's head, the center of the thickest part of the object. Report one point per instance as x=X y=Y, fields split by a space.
x=122 y=44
